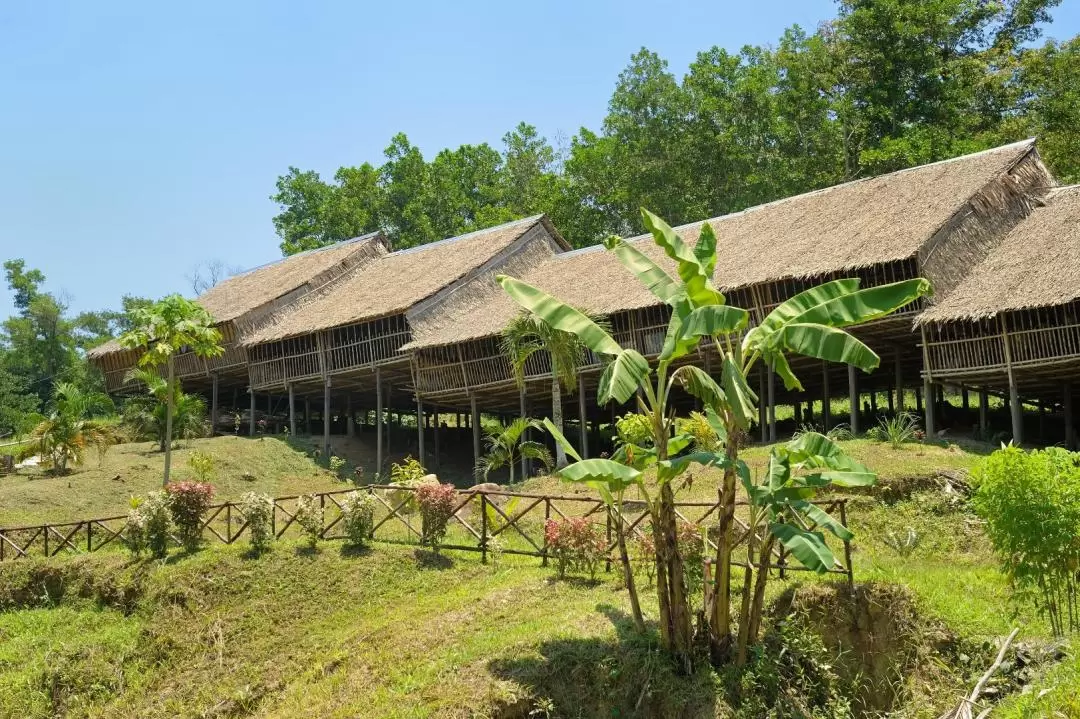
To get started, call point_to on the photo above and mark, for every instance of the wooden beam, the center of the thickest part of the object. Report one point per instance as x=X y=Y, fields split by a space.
x=582 y=419
x=326 y=418
x=251 y=419
x=474 y=418
x=214 y=404
x=378 y=421
x=523 y=415
x=763 y=410
x=420 y=428
x=772 y=404
x=984 y=408
x=1016 y=409
x=899 y=381
x=350 y=423
x=1070 y=428
x=928 y=387
x=826 y=398
x=307 y=416
x=853 y=398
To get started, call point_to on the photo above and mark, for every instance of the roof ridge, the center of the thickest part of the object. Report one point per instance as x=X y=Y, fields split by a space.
x=448 y=240
x=314 y=250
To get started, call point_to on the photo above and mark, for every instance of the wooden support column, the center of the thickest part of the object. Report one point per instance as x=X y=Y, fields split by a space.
x=772 y=405
x=898 y=379
x=928 y=387
x=251 y=419
x=474 y=416
x=826 y=398
x=326 y=418
x=420 y=428
x=796 y=410
x=307 y=416
x=853 y=397
x=763 y=409
x=213 y=404
x=918 y=400
x=378 y=421
x=350 y=423
x=1016 y=409
x=292 y=411
x=523 y=415
x=873 y=404
x=965 y=400
x=1070 y=428
x=582 y=418
x=984 y=408
x=435 y=437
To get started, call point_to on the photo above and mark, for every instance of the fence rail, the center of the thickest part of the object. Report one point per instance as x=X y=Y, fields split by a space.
x=484 y=521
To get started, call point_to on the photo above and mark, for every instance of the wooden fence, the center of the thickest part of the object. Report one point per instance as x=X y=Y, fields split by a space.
x=484 y=521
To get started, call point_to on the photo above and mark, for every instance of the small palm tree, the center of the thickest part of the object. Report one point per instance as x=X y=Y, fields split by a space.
x=145 y=415
x=505 y=448
x=63 y=437
x=164 y=329
x=528 y=334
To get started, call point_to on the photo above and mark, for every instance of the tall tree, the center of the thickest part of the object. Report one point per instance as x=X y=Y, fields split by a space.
x=164 y=330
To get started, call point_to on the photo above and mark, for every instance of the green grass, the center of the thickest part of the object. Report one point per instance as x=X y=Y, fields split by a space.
x=101 y=489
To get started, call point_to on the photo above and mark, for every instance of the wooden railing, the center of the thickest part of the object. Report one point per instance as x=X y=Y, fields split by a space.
x=484 y=522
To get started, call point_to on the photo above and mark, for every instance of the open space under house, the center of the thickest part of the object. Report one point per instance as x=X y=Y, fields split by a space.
x=357 y=332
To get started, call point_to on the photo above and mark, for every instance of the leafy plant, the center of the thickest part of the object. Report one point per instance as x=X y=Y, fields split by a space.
x=188 y=503
x=163 y=330
x=309 y=516
x=257 y=511
x=899 y=429
x=436 y=502
x=408 y=475
x=202 y=464
x=903 y=544
x=358 y=517
x=810 y=323
x=506 y=447
x=147 y=525
x=1031 y=504
x=63 y=437
x=576 y=544
x=337 y=465
x=145 y=415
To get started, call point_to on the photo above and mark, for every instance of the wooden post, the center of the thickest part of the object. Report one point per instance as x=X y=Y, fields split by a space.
x=523 y=415
x=965 y=401
x=251 y=419
x=984 y=407
x=873 y=403
x=378 y=420
x=582 y=419
x=1016 y=409
x=214 y=404
x=772 y=405
x=826 y=398
x=326 y=418
x=292 y=410
x=928 y=386
x=853 y=398
x=350 y=423
x=435 y=437
x=796 y=411
x=1070 y=429
x=899 y=380
x=918 y=400
x=474 y=417
x=307 y=416
x=420 y=428
x=389 y=418
x=763 y=410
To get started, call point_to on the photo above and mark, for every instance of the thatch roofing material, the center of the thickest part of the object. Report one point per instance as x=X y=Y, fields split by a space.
x=1035 y=265
x=842 y=228
x=248 y=291
x=393 y=283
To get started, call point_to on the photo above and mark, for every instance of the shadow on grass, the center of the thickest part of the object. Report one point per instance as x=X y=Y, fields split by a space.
x=350 y=551
x=307 y=550
x=600 y=677
x=426 y=559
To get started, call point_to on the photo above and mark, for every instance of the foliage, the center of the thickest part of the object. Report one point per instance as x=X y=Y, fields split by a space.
x=63 y=437
x=309 y=516
x=188 y=504
x=337 y=464
x=702 y=433
x=202 y=464
x=899 y=429
x=147 y=525
x=691 y=546
x=257 y=512
x=163 y=330
x=633 y=428
x=1031 y=504
x=358 y=517
x=903 y=544
x=576 y=544
x=810 y=324
x=144 y=416
x=409 y=471
x=507 y=446
x=436 y=503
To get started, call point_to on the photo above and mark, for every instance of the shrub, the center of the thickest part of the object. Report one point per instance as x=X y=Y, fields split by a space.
x=634 y=428
x=576 y=544
x=147 y=525
x=410 y=470
x=202 y=464
x=336 y=465
x=436 y=502
x=358 y=517
x=188 y=502
x=898 y=430
x=135 y=528
x=257 y=510
x=691 y=547
x=410 y=474
x=309 y=515
x=1031 y=504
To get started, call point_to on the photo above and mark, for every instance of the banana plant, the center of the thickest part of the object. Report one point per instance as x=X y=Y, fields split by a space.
x=811 y=324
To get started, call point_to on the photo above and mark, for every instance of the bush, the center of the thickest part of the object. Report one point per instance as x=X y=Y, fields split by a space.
x=147 y=525
x=358 y=517
x=410 y=474
x=898 y=430
x=1031 y=504
x=576 y=544
x=309 y=515
x=188 y=503
x=257 y=510
x=436 y=502
x=691 y=547
x=337 y=464
x=202 y=464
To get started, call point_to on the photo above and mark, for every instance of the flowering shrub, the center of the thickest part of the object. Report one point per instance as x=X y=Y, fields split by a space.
x=309 y=515
x=358 y=517
x=257 y=510
x=436 y=502
x=576 y=544
x=188 y=502
x=336 y=465
x=147 y=525
x=691 y=547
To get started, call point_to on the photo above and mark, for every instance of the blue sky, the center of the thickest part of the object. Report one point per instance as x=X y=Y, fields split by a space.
x=140 y=138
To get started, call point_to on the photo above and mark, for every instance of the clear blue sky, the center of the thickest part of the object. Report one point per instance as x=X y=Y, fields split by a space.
x=140 y=138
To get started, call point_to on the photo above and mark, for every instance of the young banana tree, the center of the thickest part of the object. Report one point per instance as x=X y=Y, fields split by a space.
x=810 y=323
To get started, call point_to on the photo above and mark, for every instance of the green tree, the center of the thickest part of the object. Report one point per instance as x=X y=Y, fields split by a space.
x=163 y=330
x=146 y=415
x=18 y=405
x=506 y=446
x=70 y=427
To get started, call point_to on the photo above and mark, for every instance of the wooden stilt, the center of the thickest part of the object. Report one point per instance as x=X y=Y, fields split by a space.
x=772 y=405
x=1070 y=428
x=853 y=398
x=523 y=415
x=378 y=421
x=1016 y=409
x=420 y=428
x=213 y=404
x=474 y=418
x=307 y=416
x=898 y=379
x=292 y=411
x=582 y=419
x=251 y=419
x=763 y=406
x=928 y=388
x=984 y=408
x=826 y=399
x=350 y=422
x=326 y=418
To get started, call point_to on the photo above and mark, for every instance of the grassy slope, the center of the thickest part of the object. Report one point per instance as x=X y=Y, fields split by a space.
x=103 y=489
x=385 y=634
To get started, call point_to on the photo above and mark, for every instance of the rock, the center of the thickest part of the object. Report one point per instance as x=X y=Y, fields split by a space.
x=247 y=477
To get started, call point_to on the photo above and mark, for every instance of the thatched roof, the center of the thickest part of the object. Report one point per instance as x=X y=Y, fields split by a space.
x=251 y=290
x=1035 y=265
x=837 y=229
x=395 y=282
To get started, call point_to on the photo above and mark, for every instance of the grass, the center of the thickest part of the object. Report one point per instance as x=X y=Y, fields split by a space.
x=101 y=489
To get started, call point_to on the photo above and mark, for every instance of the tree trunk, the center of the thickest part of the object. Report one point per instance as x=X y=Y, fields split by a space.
x=556 y=418
x=671 y=584
x=747 y=594
x=624 y=557
x=759 y=592
x=170 y=401
x=720 y=618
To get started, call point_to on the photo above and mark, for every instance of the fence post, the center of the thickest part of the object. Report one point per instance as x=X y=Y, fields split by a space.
x=322 y=508
x=89 y=537
x=273 y=520
x=46 y=528
x=228 y=523
x=483 y=528
x=547 y=516
x=847 y=547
